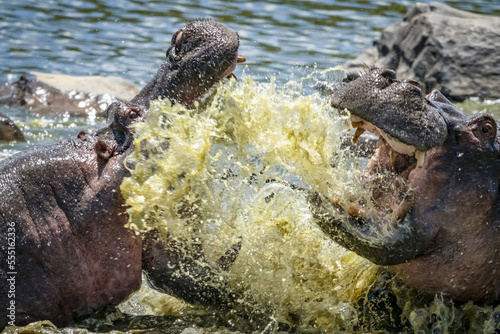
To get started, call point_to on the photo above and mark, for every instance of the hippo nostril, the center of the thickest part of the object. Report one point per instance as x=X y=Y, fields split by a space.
x=134 y=113
x=388 y=74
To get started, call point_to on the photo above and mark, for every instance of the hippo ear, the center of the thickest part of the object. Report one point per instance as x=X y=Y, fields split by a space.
x=436 y=95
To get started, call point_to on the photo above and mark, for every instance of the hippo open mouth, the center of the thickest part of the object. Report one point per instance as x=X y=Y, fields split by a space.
x=434 y=181
x=408 y=126
x=397 y=112
x=229 y=72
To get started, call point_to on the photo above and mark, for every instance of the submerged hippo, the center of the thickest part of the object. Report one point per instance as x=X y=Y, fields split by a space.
x=34 y=93
x=9 y=131
x=435 y=178
x=64 y=249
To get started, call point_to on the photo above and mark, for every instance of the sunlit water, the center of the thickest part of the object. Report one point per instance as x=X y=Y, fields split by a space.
x=238 y=158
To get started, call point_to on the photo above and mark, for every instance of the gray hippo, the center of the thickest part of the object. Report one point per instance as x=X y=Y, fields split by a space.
x=435 y=178
x=50 y=94
x=64 y=249
x=9 y=131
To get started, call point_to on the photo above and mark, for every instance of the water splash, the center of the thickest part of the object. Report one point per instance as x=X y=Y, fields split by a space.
x=242 y=161
x=246 y=161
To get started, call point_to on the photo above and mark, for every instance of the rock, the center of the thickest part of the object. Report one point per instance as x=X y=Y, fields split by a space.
x=454 y=51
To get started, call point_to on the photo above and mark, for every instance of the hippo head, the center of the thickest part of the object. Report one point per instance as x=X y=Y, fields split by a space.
x=434 y=177
x=63 y=201
x=116 y=138
x=202 y=53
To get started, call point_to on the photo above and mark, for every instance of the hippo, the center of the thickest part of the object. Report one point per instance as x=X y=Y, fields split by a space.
x=9 y=131
x=64 y=248
x=40 y=97
x=434 y=219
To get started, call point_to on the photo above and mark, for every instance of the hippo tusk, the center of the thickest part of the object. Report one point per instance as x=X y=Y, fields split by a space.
x=393 y=154
x=359 y=132
x=357 y=124
x=336 y=202
x=355 y=211
x=241 y=59
x=420 y=156
x=403 y=208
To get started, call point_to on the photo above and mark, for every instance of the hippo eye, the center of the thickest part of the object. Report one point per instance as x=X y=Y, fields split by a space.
x=485 y=129
x=133 y=114
x=388 y=74
x=350 y=77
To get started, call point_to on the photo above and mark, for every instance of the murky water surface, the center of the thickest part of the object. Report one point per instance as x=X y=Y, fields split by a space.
x=240 y=155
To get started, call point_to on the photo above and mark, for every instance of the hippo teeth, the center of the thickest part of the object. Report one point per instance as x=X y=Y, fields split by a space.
x=393 y=154
x=420 y=156
x=359 y=132
x=397 y=146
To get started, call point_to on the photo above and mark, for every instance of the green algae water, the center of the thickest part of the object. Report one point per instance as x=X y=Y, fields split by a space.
x=236 y=161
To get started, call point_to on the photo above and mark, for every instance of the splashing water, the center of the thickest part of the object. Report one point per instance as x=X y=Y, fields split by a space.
x=236 y=160
x=246 y=162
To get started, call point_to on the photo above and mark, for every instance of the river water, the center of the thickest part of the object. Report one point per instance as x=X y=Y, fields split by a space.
x=280 y=128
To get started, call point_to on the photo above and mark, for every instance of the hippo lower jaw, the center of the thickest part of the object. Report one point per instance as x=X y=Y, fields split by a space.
x=391 y=234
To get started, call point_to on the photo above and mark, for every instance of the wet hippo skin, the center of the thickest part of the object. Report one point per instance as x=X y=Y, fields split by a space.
x=62 y=234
